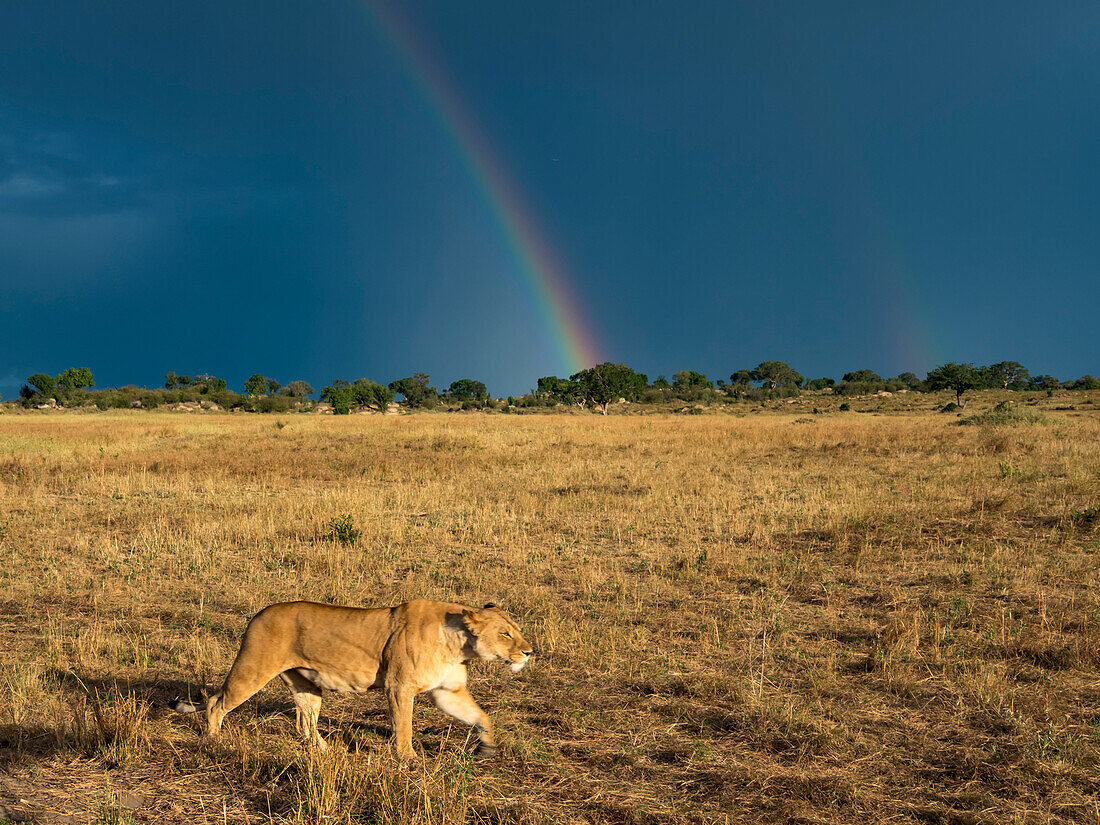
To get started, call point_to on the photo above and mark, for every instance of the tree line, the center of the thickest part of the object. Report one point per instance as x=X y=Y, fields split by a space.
x=604 y=384
x=597 y=387
x=74 y=387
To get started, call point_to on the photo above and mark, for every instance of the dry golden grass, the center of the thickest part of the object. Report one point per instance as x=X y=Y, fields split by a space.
x=764 y=618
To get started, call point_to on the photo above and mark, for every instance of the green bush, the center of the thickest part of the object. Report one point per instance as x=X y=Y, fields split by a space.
x=342 y=529
x=1006 y=414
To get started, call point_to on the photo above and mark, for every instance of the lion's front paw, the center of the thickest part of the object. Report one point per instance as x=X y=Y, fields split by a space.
x=487 y=751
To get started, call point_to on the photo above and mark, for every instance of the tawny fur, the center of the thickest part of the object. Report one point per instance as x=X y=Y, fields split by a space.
x=416 y=647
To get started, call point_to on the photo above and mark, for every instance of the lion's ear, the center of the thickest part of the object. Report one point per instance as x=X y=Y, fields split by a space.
x=489 y=606
x=473 y=620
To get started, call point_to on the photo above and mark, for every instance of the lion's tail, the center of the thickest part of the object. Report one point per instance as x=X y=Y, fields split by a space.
x=181 y=706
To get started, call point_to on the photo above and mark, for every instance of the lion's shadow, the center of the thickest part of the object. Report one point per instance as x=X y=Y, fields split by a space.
x=362 y=726
x=354 y=725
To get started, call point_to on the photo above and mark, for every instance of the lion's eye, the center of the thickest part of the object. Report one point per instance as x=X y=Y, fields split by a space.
x=507 y=635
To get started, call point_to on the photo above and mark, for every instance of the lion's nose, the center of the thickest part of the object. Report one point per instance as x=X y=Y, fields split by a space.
x=528 y=652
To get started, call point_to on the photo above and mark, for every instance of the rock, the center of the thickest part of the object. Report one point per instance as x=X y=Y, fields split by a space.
x=136 y=404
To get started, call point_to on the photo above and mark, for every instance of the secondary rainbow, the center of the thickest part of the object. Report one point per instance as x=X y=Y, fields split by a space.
x=542 y=270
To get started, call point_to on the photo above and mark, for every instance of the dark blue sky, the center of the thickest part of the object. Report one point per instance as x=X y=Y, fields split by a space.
x=262 y=187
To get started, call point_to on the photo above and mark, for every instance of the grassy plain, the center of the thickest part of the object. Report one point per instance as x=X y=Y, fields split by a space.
x=770 y=617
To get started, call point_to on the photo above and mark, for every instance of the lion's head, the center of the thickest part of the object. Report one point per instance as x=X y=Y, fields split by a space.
x=496 y=637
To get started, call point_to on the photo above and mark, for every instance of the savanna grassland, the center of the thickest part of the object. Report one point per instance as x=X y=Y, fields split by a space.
x=738 y=618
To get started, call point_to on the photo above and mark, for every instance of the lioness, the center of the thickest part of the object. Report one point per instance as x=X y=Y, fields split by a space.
x=414 y=647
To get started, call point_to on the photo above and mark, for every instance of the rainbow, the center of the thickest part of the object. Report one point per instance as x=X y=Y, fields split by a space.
x=543 y=272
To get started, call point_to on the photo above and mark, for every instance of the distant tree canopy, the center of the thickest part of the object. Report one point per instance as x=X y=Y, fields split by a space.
x=298 y=389
x=860 y=382
x=599 y=387
x=256 y=385
x=75 y=378
x=863 y=377
x=203 y=384
x=772 y=374
x=338 y=394
x=557 y=389
x=367 y=393
x=1044 y=382
x=741 y=378
x=605 y=383
x=42 y=384
x=689 y=380
x=1005 y=375
x=206 y=384
x=363 y=393
x=909 y=379
x=1087 y=382
x=956 y=377
x=416 y=391
x=467 y=389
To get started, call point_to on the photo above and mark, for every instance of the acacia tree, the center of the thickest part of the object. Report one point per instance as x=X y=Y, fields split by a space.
x=367 y=393
x=298 y=389
x=952 y=376
x=741 y=378
x=774 y=374
x=863 y=377
x=467 y=389
x=607 y=382
x=415 y=390
x=1007 y=374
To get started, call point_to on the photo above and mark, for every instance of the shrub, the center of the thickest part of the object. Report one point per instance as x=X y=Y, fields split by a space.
x=272 y=403
x=339 y=396
x=1006 y=414
x=342 y=529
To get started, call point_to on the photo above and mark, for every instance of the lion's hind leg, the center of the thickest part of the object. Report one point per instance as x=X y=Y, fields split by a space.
x=461 y=705
x=307 y=707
